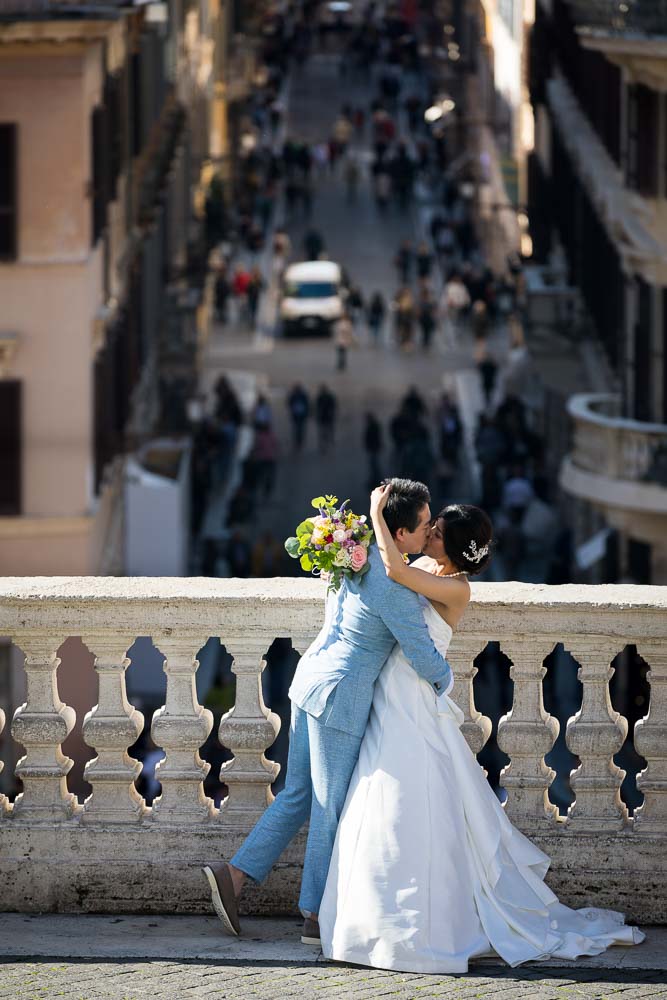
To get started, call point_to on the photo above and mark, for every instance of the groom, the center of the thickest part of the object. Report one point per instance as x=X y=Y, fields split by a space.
x=331 y=698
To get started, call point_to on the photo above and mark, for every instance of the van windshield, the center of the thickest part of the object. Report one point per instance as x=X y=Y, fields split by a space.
x=310 y=289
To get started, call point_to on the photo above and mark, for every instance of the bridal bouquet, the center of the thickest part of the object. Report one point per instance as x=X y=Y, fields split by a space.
x=334 y=542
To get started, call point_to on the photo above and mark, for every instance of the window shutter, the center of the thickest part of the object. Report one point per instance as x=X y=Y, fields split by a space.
x=8 y=192
x=10 y=447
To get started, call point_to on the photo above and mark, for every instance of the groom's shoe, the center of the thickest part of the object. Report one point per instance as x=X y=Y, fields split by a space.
x=311 y=932
x=223 y=896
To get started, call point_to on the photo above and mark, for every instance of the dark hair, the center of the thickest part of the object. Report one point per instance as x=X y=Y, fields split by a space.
x=406 y=499
x=467 y=530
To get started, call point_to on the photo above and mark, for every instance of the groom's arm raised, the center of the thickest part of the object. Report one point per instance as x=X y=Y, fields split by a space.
x=402 y=614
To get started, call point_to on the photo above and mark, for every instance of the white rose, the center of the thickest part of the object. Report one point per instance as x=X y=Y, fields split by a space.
x=341 y=558
x=339 y=535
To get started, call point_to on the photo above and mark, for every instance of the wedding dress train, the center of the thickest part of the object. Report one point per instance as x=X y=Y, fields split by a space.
x=427 y=870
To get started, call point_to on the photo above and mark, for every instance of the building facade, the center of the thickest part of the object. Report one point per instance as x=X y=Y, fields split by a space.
x=598 y=192
x=106 y=118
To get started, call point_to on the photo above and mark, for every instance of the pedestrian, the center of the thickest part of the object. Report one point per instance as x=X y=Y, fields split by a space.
x=255 y=286
x=445 y=243
x=355 y=303
x=240 y=284
x=373 y=447
x=343 y=340
x=237 y=554
x=381 y=185
x=454 y=302
x=313 y=244
x=282 y=246
x=352 y=176
x=321 y=157
x=424 y=261
x=403 y=262
x=262 y=415
x=375 y=315
x=488 y=371
x=326 y=406
x=479 y=321
x=342 y=133
x=413 y=404
x=359 y=120
x=404 y=316
x=403 y=171
x=450 y=429
x=427 y=314
x=264 y=457
x=267 y=556
x=227 y=410
x=298 y=404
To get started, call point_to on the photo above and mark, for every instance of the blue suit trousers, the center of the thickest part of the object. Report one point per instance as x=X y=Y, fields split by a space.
x=320 y=763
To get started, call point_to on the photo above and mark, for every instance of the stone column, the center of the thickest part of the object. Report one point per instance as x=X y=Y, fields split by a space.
x=526 y=734
x=461 y=656
x=110 y=728
x=41 y=725
x=595 y=734
x=651 y=742
x=180 y=727
x=248 y=729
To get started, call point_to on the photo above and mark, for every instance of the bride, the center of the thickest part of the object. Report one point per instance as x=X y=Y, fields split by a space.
x=427 y=871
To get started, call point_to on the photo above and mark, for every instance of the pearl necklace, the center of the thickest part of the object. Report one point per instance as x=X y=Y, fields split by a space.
x=461 y=572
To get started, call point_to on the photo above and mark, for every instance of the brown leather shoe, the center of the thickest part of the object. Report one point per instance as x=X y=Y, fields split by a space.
x=223 y=896
x=311 y=932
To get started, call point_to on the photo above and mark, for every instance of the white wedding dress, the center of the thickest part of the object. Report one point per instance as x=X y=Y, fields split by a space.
x=427 y=870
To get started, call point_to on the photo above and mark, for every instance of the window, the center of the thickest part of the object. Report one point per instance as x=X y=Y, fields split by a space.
x=10 y=447
x=101 y=172
x=8 y=192
x=643 y=108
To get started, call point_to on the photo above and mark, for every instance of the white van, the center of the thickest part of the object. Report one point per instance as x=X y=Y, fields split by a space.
x=312 y=297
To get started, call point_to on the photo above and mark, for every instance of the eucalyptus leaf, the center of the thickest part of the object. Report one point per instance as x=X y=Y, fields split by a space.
x=292 y=547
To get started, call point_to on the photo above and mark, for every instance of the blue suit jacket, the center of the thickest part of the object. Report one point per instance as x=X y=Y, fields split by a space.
x=335 y=677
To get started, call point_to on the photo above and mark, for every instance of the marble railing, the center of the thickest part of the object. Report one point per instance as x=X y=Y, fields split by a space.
x=113 y=853
x=607 y=444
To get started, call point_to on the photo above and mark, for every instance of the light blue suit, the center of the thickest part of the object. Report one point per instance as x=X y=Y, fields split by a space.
x=331 y=695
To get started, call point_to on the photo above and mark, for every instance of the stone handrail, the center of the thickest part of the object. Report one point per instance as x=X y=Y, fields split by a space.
x=114 y=853
x=608 y=444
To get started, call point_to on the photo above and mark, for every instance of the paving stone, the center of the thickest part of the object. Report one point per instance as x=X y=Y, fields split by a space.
x=131 y=980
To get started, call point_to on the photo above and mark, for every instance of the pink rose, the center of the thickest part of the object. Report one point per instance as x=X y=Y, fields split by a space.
x=359 y=556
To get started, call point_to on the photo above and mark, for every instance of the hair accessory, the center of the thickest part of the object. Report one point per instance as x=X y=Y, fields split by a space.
x=475 y=555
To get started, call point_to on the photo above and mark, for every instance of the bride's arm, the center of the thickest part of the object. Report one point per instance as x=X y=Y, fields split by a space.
x=445 y=591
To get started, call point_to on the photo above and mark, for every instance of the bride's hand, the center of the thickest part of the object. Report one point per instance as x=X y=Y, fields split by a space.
x=379 y=498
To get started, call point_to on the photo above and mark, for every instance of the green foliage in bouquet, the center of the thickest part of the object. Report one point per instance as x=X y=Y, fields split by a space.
x=334 y=541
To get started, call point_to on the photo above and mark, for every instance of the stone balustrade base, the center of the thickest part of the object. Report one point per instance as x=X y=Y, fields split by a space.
x=81 y=870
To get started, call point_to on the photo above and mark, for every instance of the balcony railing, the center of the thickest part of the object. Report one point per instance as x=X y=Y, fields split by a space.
x=622 y=17
x=607 y=444
x=114 y=853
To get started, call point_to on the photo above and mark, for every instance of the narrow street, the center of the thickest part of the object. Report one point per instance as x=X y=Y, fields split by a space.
x=364 y=242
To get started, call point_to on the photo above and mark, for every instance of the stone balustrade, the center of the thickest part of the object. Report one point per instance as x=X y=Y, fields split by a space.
x=114 y=853
x=618 y=466
x=608 y=444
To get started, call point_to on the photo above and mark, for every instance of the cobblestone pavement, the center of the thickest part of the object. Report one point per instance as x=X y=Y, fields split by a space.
x=122 y=980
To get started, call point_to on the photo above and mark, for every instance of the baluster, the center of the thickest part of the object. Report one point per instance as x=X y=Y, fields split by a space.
x=651 y=743
x=110 y=728
x=42 y=724
x=526 y=734
x=461 y=655
x=180 y=727
x=248 y=729
x=595 y=734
